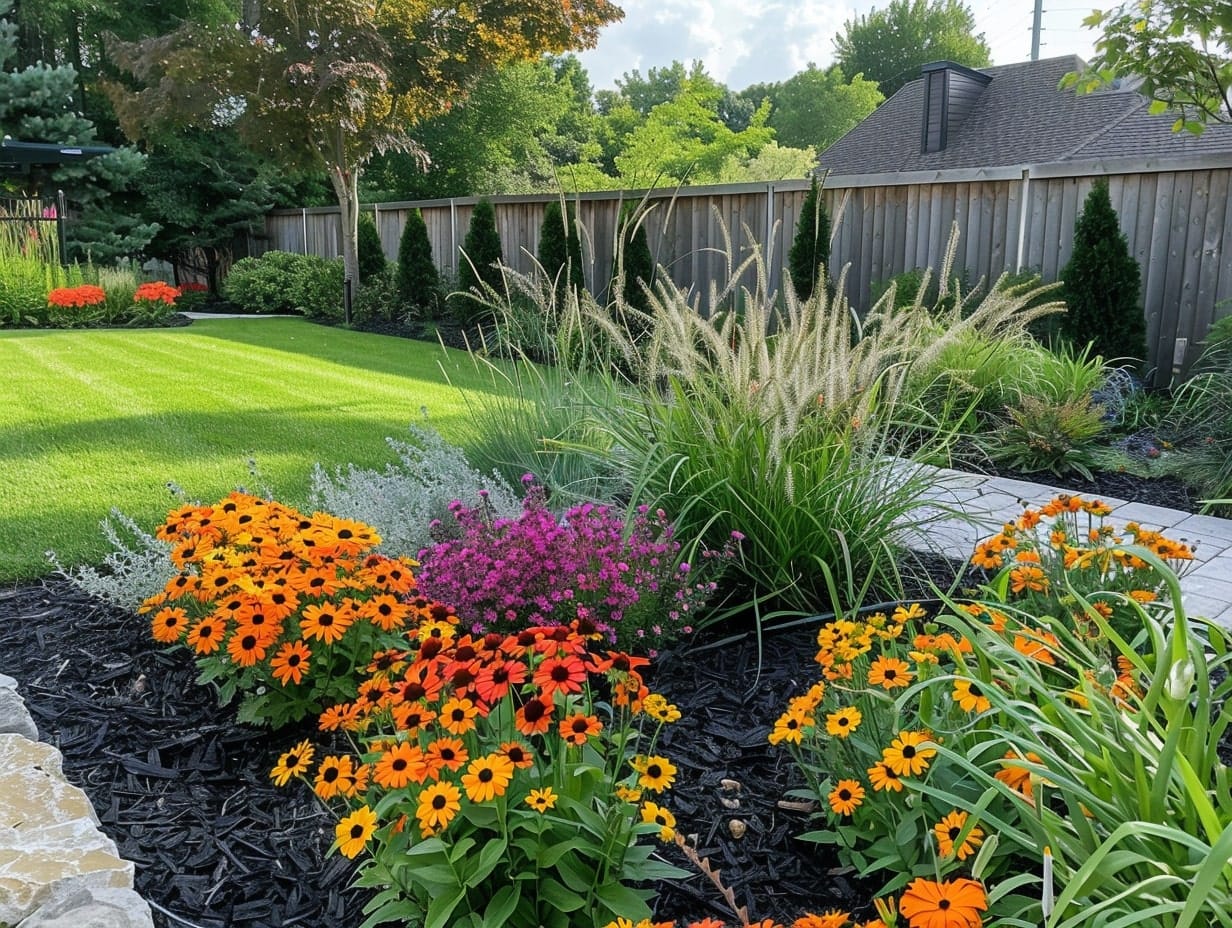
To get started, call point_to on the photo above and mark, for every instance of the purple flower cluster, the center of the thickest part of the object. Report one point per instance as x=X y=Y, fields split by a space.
x=539 y=570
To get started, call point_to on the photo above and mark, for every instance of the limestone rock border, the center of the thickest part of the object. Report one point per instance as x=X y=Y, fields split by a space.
x=57 y=869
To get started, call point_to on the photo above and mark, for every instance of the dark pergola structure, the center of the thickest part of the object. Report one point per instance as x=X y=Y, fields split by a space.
x=20 y=158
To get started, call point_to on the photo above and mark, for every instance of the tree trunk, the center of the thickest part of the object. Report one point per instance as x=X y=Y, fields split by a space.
x=346 y=187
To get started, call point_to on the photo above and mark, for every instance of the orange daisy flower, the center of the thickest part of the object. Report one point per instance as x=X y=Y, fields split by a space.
x=889 y=672
x=487 y=777
x=449 y=753
x=290 y=663
x=457 y=716
x=325 y=622
x=579 y=727
x=970 y=697
x=534 y=718
x=246 y=647
x=168 y=624
x=846 y=797
x=947 y=831
x=883 y=778
x=560 y=675
x=948 y=904
x=400 y=765
x=905 y=756
x=206 y=636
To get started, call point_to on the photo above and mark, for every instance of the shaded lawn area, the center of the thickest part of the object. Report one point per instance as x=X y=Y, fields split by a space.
x=92 y=420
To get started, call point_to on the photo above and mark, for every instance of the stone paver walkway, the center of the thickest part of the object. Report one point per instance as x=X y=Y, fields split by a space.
x=990 y=502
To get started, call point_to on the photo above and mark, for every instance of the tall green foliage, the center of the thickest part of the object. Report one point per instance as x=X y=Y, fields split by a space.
x=560 y=247
x=371 y=252
x=889 y=45
x=810 y=250
x=478 y=264
x=1102 y=283
x=419 y=284
x=39 y=103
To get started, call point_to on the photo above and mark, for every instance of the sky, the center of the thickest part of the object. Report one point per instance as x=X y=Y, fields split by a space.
x=744 y=42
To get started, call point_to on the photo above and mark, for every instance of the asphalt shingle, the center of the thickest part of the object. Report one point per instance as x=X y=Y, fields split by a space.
x=1020 y=118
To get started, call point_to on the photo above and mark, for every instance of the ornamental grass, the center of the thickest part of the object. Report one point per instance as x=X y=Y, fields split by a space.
x=498 y=779
x=282 y=609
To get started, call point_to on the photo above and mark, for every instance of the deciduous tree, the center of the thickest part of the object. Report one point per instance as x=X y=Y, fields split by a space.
x=814 y=108
x=328 y=84
x=890 y=45
x=1180 y=51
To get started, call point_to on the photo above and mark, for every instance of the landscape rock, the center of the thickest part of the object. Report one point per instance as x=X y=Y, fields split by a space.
x=14 y=718
x=71 y=905
x=50 y=845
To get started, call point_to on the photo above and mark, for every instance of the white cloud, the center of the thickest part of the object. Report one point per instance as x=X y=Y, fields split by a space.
x=747 y=41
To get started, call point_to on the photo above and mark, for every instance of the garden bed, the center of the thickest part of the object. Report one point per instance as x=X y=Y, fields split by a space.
x=184 y=789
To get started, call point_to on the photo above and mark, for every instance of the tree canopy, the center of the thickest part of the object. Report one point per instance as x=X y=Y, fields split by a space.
x=329 y=84
x=889 y=45
x=1180 y=51
x=814 y=108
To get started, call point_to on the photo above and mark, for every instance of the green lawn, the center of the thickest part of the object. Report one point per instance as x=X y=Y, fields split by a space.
x=98 y=419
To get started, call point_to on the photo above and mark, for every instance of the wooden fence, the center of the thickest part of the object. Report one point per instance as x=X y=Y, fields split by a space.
x=1175 y=214
x=685 y=229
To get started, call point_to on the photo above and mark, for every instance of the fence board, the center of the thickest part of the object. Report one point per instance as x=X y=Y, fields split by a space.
x=1178 y=224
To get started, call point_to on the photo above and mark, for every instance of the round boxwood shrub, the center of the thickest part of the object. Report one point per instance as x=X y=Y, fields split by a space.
x=264 y=284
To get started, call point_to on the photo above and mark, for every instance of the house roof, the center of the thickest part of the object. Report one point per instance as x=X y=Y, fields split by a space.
x=1019 y=118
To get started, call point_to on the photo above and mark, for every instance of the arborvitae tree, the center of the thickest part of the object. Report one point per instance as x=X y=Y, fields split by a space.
x=478 y=264
x=419 y=284
x=639 y=271
x=371 y=252
x=1102 y=282
x=810 y=249
x=560 y=247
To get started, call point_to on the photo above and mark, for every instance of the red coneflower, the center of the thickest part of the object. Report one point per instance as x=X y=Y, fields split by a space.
x=560 y=675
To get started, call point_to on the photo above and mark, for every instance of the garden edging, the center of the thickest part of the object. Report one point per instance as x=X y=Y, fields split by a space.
x=57 y=870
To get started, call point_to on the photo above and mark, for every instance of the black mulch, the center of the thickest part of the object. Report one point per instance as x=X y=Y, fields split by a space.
x=1169 y=492
x=184 y=790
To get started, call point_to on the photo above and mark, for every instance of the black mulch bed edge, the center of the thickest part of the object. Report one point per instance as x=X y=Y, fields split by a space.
x=184 y=790
x=1169 y=492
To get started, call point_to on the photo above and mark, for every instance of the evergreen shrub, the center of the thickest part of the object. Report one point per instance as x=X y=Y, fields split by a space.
x=419 y=283
x=371 y=252
x=810 y=249
x=478 y=265
x=1101 y=284
x=560 y=248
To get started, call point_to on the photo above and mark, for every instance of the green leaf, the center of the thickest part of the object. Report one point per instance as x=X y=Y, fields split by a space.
x=502 y=905
x=1157 y=107
x=555 y=895
x=576 y=874
x=624 y=901
x=440 y=910
x=492 y=854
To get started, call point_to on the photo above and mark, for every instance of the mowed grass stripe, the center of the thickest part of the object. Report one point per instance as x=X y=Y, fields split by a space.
x=94 y=420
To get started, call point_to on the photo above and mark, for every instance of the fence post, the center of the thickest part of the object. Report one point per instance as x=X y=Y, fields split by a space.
x=61 y=234
x=304 y=221
x=1023 y=206
x=453 y=233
